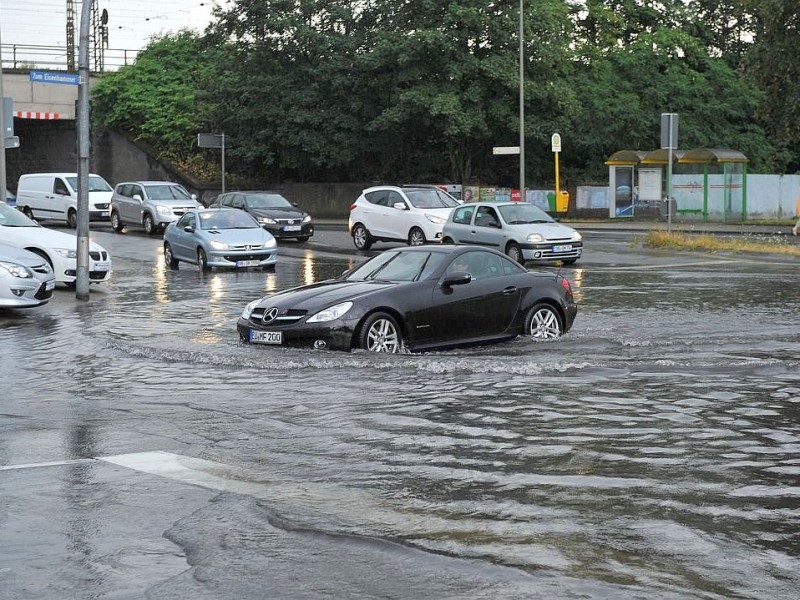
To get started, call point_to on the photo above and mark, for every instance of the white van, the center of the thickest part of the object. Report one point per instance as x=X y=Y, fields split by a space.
x=55 y=196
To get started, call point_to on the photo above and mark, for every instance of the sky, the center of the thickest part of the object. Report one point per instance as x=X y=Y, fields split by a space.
x=130 y=24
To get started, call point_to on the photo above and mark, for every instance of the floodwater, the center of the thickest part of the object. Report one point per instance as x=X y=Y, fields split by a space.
x=653 y=452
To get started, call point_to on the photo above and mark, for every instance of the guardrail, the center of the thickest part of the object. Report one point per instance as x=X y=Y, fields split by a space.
x=27 y=56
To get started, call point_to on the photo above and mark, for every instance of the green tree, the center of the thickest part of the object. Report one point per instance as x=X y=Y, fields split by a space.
x=156 y=100
x=774 y=65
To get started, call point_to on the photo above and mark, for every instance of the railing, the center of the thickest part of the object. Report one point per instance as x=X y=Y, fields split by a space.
x=26 y=56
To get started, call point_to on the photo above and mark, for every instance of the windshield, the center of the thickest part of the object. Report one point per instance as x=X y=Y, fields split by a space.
x=167 y=192
x=227 y=219
x=397 y=266
x=267 y=201
x=521 y=213
x=430 y=199
x=11 y=217
x=96 y=184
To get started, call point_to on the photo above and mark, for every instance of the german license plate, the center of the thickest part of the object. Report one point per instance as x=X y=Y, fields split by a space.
x=292 y=227
x=266 y=337
x=50 y=285
x=566 y=248
x=101 y=266
x=246 y=263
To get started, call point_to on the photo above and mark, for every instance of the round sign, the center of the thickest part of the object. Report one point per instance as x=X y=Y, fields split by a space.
x=556 y=142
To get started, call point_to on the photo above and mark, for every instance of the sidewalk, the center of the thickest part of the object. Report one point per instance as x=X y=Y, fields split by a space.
x=630 y=225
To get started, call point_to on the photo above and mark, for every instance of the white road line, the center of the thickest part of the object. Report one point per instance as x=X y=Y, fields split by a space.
x=59 y=463
x=194 y=471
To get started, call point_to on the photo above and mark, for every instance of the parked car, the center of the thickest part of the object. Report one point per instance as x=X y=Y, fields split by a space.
x=219 y=237
x=11 y=198
x=522 y=231
x=55 y=196
x=416 y=298
x=283 y=219
x=388 y=213
x=151 y=205
x=26 y=280
x=58 y=248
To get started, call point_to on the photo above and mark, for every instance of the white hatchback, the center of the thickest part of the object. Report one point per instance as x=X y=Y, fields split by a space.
x=58 y=248
x=389 y=213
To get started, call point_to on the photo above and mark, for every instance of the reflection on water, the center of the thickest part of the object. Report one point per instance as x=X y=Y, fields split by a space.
x=653 y=452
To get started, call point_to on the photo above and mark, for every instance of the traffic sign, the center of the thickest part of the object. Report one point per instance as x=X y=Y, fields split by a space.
x=505 y=150
x=555 y=141
x=211 y=140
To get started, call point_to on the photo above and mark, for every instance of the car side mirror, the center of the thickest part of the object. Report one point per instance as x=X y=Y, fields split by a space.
x=494 y=224
x=400 y=206
x=188 y=229
x=456 y=278
x=137 y=197
x=194 y=197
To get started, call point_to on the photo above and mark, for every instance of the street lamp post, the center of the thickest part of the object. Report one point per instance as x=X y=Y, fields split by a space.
x=521 y=105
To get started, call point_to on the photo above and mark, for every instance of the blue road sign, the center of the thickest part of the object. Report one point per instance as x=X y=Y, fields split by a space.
x=62 y=78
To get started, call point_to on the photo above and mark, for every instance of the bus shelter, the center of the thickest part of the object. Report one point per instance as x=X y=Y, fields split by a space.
x=706 y=182
x=622 y=178
x=723 y=191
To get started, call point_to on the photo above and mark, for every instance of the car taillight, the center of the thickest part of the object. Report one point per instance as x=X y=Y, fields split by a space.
x=567 y=287
x=353 y=206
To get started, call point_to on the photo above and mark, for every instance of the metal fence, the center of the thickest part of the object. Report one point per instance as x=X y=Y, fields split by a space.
x=27 y=56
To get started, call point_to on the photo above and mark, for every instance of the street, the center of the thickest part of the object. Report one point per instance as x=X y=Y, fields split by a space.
x=652 y=452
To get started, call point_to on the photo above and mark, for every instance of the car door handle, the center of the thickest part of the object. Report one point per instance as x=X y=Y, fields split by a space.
x=509 y=290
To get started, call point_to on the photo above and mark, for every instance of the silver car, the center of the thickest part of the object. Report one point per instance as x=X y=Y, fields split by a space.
x=522 y=231
x=151 y=205
x=26 y=279
x=219 y=237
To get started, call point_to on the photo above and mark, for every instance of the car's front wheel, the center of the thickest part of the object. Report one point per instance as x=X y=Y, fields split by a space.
x=381 y=333
x=416 y=237
x=149 y=225
x=202 y=260
x=72 y=218
x=543 y=322
x=116 y=224
x=26 y=210
x=361 y=237
x=169 y=257
x=514 y=252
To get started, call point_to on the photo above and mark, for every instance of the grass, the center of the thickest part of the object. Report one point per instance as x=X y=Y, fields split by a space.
x=764 y=243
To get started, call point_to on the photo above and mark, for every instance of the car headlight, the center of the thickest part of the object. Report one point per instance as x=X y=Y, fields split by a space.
x=248 y=310
x=67 y=252
x=535 y=237
x=270 y=243
x=163 y=210
x=576 y=236
x=307 y=219
x=435 y=219
x=329 y=314
x=17 y=270
x=267 y=221
x=216 y=245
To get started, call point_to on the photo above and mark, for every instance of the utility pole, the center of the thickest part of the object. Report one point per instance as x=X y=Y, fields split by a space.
x=521 y=103
x=3 y=140
x=82 y=275
x=70 y=36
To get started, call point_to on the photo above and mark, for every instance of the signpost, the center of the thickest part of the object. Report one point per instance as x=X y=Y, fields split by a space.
x=214 y=140
x=669 y=141
x=555 y=142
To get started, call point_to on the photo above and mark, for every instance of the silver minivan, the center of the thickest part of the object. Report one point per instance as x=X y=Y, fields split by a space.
x=151 y=205
x=55 y=196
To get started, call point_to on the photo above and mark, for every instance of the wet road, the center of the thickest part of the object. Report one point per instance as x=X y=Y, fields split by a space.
x=654 y=452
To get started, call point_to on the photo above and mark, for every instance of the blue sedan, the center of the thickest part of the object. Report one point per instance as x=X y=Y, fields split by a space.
x=219 y=237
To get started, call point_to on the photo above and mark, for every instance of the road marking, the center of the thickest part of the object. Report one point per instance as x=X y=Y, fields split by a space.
x=59 y=463
x=194 y=471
